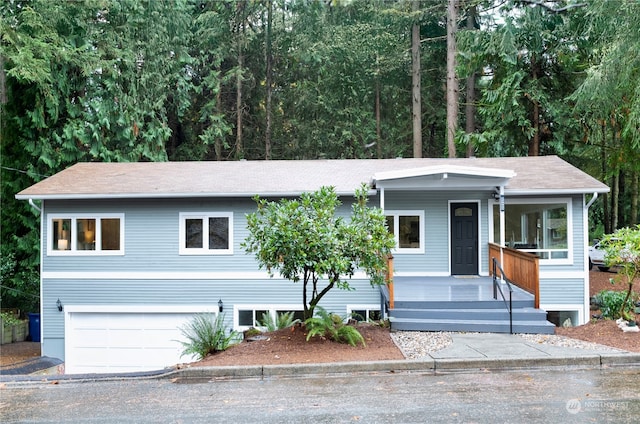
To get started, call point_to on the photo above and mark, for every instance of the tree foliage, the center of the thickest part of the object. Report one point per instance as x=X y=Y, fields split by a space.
x=305 y=241
x=145 y=80
x=623 y=250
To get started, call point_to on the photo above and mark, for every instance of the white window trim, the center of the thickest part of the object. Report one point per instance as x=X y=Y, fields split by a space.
x=271 y=308
x=72 y=251
x=396 y=221
x=183 y=250
x=541 y=201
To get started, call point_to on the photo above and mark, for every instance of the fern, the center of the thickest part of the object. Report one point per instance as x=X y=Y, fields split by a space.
x=332 y=326
x=282 y=320
x=205 y=335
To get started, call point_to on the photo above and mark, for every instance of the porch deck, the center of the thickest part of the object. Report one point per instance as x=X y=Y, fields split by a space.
x=451 y=289
x=463 y=304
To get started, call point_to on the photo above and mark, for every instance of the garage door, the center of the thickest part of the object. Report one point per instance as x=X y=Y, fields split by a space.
x=115 y=342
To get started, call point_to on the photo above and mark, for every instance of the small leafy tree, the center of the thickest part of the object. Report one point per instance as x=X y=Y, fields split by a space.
x=303 y=240
x=623 y=251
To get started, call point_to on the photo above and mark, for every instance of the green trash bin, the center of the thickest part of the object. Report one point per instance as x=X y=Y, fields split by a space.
x=34 y=327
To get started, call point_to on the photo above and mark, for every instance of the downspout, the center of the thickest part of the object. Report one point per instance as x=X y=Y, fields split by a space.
x=593 y=199
x=34 y=206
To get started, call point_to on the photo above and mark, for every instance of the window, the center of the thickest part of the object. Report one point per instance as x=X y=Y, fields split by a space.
x=252 y=315
x=364 y=312
x=86 y=235
x=206 y=233
x=541 y=228
x=407 y=228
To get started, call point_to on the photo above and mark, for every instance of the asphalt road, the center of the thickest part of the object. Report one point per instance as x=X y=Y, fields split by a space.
x=537 y=396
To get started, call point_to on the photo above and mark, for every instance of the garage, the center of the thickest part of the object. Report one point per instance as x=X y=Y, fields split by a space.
x=116 y=339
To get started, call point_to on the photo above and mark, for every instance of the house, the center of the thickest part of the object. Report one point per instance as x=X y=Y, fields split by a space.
x=126 y=259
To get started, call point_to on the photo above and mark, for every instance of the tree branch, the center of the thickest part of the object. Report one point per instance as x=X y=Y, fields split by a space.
x=550 y=8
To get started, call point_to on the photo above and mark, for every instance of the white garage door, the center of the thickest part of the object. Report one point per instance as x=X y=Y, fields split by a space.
x=115 y=341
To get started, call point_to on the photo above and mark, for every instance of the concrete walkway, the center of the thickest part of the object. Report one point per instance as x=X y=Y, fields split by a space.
x=467 y=352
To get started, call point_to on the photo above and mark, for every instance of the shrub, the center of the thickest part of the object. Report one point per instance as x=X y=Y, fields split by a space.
x=282 y=320
x=332 y=326
x=610 y=303
x=205 y=335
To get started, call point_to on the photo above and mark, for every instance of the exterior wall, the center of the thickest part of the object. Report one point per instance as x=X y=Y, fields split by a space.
x=436 y=205
x=151 y=271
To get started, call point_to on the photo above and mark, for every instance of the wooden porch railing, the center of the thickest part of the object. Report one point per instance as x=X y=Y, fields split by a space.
x=389 y=279
x=522 y=268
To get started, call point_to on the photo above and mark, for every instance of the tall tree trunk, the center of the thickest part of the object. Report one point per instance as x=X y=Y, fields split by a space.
x=470 y=108
x=615 y=200
x=378 y=123
x=534 y=143
x=269 y=78
x=635 y=180
x=615 y=186
x=415 y=77
x=217 y=146
x=3 y=80
x=452 y=81
x=239 y=107
x=603 y=177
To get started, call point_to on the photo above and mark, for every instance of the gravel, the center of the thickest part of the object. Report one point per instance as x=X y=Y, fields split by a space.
x=419 y=344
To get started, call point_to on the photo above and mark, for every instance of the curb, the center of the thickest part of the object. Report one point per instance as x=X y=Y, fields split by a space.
x=431 y=365
x=428 y=365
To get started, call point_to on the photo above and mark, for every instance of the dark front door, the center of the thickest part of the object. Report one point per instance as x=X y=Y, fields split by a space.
x=464 y=238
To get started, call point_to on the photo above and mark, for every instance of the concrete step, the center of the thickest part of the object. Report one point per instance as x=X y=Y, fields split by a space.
x=461 y=304
x=484 y=326
x=520 y=314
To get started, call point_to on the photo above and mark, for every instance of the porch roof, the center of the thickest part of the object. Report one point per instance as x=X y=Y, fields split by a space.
x=444 y=177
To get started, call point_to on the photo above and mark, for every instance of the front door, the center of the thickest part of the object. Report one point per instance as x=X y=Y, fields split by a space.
x=464 y=238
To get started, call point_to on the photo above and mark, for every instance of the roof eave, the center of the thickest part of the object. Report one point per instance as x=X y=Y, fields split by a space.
x=563 y=191
x=171 y=195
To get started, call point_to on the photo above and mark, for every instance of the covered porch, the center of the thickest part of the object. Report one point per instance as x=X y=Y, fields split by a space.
x=493 y=303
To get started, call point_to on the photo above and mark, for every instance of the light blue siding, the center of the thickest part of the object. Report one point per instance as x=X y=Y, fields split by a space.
x=436 y=207
x=182 y=292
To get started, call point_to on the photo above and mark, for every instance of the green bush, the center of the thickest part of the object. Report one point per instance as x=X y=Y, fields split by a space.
x=332 y=326
x=610 y=303
x=282 y=320
x=205 y=335
x=8 y=319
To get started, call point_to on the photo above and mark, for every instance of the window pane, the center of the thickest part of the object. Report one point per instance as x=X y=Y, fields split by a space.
x=390 y=225
x=534 y=227
x=245 y=318
x=358 y=314
x=409 y=231
x=259 y=315
x=86 y=239
x=193 y=233
x=219 y=233
x=61 y=234
x=110 y=233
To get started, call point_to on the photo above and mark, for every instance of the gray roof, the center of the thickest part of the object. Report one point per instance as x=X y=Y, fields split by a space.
x=533 y=175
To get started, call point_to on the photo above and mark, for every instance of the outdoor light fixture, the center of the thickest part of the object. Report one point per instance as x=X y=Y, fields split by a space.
x=220 y=305
x=59 y=305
